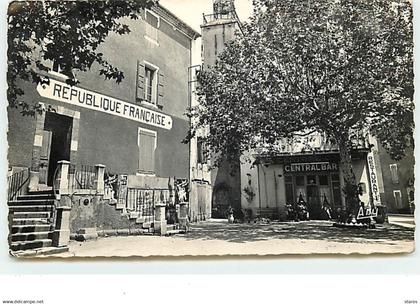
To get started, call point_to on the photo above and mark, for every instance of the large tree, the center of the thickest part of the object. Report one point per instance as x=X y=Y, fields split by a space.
x=66 y=33
x=342 y=68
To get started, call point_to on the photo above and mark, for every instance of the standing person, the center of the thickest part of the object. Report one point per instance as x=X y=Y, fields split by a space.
x=230 y=215
x=301 y=209
x=326 y=207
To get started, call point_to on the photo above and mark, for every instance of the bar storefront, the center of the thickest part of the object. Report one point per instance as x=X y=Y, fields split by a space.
x=314 y=179
x=316 y=183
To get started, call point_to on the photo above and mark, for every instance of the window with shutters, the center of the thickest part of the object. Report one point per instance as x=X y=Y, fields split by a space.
x=394 y=173
x=147 y=142
x=398 y=198
x=150 y=84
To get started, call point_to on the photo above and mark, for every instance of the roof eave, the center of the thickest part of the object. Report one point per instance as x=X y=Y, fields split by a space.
x=186 y=29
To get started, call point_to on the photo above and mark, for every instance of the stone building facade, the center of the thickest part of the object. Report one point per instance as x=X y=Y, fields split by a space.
x=398 y=182
x=135 y=127
x=105 y=156
x=299 y=170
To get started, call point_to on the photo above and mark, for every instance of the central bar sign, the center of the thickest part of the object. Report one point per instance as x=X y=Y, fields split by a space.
x=311 y=167
x=66 y=93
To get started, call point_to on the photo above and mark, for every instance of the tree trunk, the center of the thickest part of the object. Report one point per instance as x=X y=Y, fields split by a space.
x=350 y=185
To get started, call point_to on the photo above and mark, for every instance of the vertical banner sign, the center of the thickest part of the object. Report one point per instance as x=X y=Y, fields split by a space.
x=373 y=179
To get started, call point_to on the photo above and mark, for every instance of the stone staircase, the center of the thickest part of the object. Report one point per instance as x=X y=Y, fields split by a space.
x=145 y=223
x=172 y=229
x=31 y=222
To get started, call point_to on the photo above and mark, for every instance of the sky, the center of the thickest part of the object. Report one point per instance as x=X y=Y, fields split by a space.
x=191 y=11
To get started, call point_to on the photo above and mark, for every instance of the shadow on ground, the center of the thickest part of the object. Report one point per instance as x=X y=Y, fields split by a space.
x=313 y=230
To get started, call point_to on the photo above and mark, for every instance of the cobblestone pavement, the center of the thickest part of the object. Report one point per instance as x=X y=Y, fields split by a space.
x=220 y=238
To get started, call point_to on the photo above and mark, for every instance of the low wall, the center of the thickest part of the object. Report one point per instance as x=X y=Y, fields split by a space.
x=106 y=213
x=152 y=182
x=94 y=212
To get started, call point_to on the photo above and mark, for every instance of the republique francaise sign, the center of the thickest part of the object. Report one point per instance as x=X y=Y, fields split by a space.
x=74 y=95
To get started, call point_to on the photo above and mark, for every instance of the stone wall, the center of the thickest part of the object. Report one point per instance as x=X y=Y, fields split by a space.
x=94 y=212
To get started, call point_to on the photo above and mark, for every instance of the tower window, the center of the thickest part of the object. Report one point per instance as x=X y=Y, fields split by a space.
x=201 y=151
x=223 y=7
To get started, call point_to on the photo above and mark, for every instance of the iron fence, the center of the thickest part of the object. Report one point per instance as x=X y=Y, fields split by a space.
x=231 y=15
x=82 y=177
x=16 y=184
x=144 y=201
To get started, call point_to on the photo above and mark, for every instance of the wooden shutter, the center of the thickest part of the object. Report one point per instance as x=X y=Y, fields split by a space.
x=161 y=89
x=140 y=80
x=147 y=142
x=151 y=155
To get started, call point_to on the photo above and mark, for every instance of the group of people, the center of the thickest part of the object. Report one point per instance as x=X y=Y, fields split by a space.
x=302 y=211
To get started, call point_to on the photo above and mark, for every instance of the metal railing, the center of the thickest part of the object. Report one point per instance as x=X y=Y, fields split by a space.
x=56 y=186
x=81 y=177
x=16 y=184
x=144 y=201
x=231 y=15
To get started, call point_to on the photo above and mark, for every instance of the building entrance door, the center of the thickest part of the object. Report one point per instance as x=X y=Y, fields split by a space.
x=314 y=189
x=317 y=184
x=314 y=203
x=55 y=145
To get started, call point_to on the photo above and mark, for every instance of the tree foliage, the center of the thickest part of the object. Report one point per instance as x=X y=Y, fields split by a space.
x=67 y=33
x=339 y=67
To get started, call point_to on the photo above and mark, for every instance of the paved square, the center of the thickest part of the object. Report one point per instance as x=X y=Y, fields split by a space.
x=220 y=238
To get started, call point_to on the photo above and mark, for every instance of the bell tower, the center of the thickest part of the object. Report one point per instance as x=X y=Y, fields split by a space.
x=217 y=29
x=223 y=7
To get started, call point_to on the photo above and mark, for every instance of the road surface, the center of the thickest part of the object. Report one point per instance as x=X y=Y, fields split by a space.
x=220 y=238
